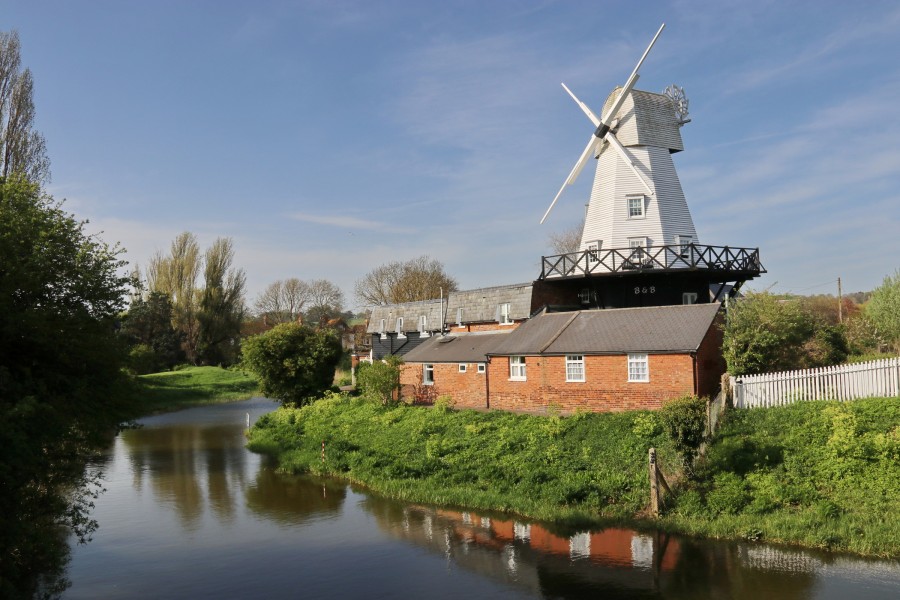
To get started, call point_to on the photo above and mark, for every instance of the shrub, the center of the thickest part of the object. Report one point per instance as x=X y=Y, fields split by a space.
x=294 y=363
x=379 y=379
x=728 y=495
x=142 y=360
x=684 y=420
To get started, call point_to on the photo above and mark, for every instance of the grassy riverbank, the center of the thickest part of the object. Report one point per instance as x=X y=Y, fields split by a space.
x=192 y=386
x=820 y=474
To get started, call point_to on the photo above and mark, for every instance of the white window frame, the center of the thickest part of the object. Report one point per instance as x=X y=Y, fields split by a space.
x=637 y=256
x=638 y=367
x=400 y=333
x=459 y=316
x=637 y=202
x=381 y=331
x=689 y=298
x=427 y=374
x=463 y=367
x=482 y=367
x=517 y=368
x=684 y=242
x=504 y=309
x=594 y=251
x=423 y=326
x=575 y=368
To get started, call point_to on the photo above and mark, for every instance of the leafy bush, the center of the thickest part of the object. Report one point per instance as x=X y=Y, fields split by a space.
x=684 y=420
x=294 y=363
x=378 y=380
x=729 y=494
x=142 y=359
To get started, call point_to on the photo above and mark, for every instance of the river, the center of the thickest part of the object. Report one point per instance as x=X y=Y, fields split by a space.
x=190 y=513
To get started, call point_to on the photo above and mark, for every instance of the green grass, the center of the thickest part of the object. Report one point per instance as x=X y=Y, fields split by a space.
x=192 y=386
x=822 y=475
x=817 y=474
x=582 y=469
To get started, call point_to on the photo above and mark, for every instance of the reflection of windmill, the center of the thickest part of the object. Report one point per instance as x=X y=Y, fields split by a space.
x=637 y=218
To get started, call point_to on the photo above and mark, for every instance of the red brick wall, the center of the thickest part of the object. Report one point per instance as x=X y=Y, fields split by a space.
x=467 y=389
x=606 y=387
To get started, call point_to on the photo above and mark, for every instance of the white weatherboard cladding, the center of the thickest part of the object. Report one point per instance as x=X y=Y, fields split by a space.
x=649 y=130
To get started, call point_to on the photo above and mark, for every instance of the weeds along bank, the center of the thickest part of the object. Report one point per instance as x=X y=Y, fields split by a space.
x=820 y=474
x=589 y=466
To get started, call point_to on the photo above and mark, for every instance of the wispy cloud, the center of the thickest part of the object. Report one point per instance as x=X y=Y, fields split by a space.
x=347 y=222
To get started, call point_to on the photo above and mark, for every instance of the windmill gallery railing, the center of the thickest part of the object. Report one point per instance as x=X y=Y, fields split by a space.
x=674 y=257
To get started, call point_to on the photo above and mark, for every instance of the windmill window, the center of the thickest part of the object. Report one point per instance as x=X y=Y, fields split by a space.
x=504 y=317
x=575 y=367
x=637 y=246
x=428 y=374
x=517 y=368
x=635 y=207
x=400 y=333
x=594 y=251
x=684 y=242
x=638 y=368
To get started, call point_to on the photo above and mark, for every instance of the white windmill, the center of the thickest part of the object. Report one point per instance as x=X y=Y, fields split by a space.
x=636 y=201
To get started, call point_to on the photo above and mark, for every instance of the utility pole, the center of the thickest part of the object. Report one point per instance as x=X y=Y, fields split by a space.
x=840 y=303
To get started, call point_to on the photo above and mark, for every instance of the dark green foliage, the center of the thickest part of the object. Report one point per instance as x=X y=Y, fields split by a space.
x=380 y=379
x=588 y=466
x=684 y=420
x=766 y=333
x=817 y=473
x=294 y=363
x=61 y=381
x=148 y=327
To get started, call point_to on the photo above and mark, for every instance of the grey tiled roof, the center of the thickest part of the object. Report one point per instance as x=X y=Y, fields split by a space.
x=479 y=306
x=410 y=312
x=612 y=331
x=462 y=347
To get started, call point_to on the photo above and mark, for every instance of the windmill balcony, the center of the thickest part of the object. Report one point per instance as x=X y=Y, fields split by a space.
x=724 y=260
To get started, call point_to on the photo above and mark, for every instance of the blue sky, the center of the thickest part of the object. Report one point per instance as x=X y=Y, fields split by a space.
x=329 y=137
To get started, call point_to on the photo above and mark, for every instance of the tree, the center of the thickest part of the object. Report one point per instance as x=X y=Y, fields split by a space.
x=22 y=149
x=207 y=318
x=326 y=301
x=883 y=308
x=221 y=305
x=379 y=380
x=294 y=363
x=420 y=278
x=766 y=333
x=568 y=240
x=283 y=301
x=61 y=382
x=148 y=323
x=175 y=276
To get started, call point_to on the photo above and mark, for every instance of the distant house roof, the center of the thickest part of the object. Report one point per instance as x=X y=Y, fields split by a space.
x=663 y=329
x=411 y=312
x=481 y=305
x=459 y=348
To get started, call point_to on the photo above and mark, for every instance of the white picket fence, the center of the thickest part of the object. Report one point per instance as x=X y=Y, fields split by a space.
x=844 y=382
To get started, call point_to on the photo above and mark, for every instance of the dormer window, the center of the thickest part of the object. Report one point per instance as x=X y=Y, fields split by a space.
x=381 y=329
x=423 y=326
x=635 y=207
x=503 y=316
x=400 y=333
x=459 y=316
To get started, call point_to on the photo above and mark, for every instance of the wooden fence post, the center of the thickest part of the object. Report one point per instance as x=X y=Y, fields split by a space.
x=654 y=486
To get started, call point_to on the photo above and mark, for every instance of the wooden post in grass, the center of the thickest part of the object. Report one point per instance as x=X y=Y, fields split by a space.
x=656 y=479
x=323 y=452
x=654 y=485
